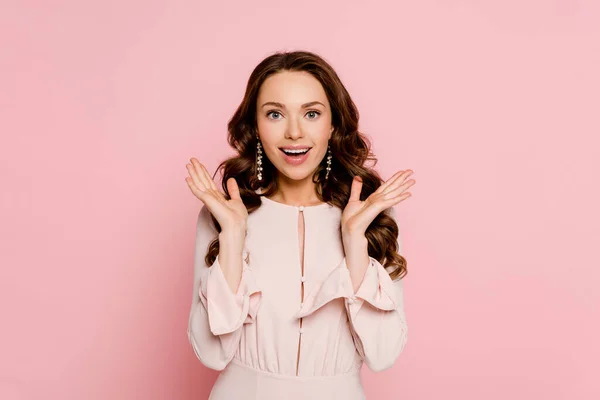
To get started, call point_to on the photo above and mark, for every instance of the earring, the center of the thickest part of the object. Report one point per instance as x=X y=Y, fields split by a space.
x=259 y=167
x=329 y=156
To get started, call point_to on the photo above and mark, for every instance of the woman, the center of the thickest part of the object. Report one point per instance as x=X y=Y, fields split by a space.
x=297 y=266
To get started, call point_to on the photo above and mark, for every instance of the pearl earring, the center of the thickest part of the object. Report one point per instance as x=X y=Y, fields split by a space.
x=259 y=167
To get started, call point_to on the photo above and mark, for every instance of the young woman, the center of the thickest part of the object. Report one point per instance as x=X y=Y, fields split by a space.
x=297 y=276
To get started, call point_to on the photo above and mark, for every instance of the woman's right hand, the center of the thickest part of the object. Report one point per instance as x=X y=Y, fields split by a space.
x=231 y=214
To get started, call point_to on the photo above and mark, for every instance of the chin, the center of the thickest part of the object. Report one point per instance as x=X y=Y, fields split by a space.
x=297 y=174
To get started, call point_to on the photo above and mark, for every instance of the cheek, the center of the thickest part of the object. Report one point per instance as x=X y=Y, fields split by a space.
x=322 y=151
x=270 y=137
x=269 y=133
x=322 y=130
x=323 y=135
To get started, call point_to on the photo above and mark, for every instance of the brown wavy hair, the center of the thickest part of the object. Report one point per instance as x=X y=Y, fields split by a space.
x=351 y=152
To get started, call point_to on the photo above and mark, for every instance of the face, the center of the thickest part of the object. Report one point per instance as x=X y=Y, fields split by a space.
x=293 y=113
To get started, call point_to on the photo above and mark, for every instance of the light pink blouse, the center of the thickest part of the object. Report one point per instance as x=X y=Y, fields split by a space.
x=268 y=326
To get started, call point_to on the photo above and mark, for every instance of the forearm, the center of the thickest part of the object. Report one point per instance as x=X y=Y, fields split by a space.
x=231 y=246
x=357 y=257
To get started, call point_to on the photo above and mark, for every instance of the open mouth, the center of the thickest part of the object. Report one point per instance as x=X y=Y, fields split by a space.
x=295 y=156
x=295 y=153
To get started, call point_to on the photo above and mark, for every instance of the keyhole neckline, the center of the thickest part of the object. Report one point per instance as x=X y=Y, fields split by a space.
x=299 y=208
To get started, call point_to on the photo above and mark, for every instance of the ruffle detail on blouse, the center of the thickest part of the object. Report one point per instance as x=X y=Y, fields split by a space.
x=227 y=311
x=376 y=289
x=337 y=284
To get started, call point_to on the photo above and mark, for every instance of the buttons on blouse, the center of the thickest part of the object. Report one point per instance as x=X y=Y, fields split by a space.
x=303 y=278
x=351 y=300
x=300 y=208
x=301 y=331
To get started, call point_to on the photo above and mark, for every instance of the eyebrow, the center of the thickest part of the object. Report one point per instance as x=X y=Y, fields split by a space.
x=305 y=105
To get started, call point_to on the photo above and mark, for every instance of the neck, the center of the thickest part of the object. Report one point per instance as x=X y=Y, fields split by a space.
x=296 y=193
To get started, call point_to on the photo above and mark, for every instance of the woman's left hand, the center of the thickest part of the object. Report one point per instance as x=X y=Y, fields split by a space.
x=358 y=215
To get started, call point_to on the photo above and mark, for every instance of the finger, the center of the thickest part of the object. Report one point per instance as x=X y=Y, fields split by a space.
x=399 y=184
x=195 y=178
x=373 y=209
x=197 y=192
x=387 y=183
x=399 y=190
x=399 y=198
x=207 y=197
x=407 y=173
x=212 y=202
x=234 y=190
x=211 y=181
x=384 y=201
x=200 y=172
x=397 y=181
x=355 y=189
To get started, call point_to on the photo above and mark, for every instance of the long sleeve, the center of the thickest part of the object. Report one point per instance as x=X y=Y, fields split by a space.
x=375 y=312
x=217 y=315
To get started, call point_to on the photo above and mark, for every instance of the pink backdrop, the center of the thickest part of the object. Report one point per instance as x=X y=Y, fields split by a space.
x=494 y=105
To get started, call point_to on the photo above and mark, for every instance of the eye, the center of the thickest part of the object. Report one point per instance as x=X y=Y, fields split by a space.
x=273 y=112
x=314 y=112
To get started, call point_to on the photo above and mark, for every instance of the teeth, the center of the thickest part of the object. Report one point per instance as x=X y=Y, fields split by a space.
x=295 y=151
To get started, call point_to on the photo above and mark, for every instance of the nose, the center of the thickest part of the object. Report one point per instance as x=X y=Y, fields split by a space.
x=294 y=130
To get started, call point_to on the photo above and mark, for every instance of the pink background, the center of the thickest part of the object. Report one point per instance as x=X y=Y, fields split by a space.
x=494 y=105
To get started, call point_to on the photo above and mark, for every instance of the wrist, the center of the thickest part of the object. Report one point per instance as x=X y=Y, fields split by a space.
x=355 y=243
x=232 y=241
